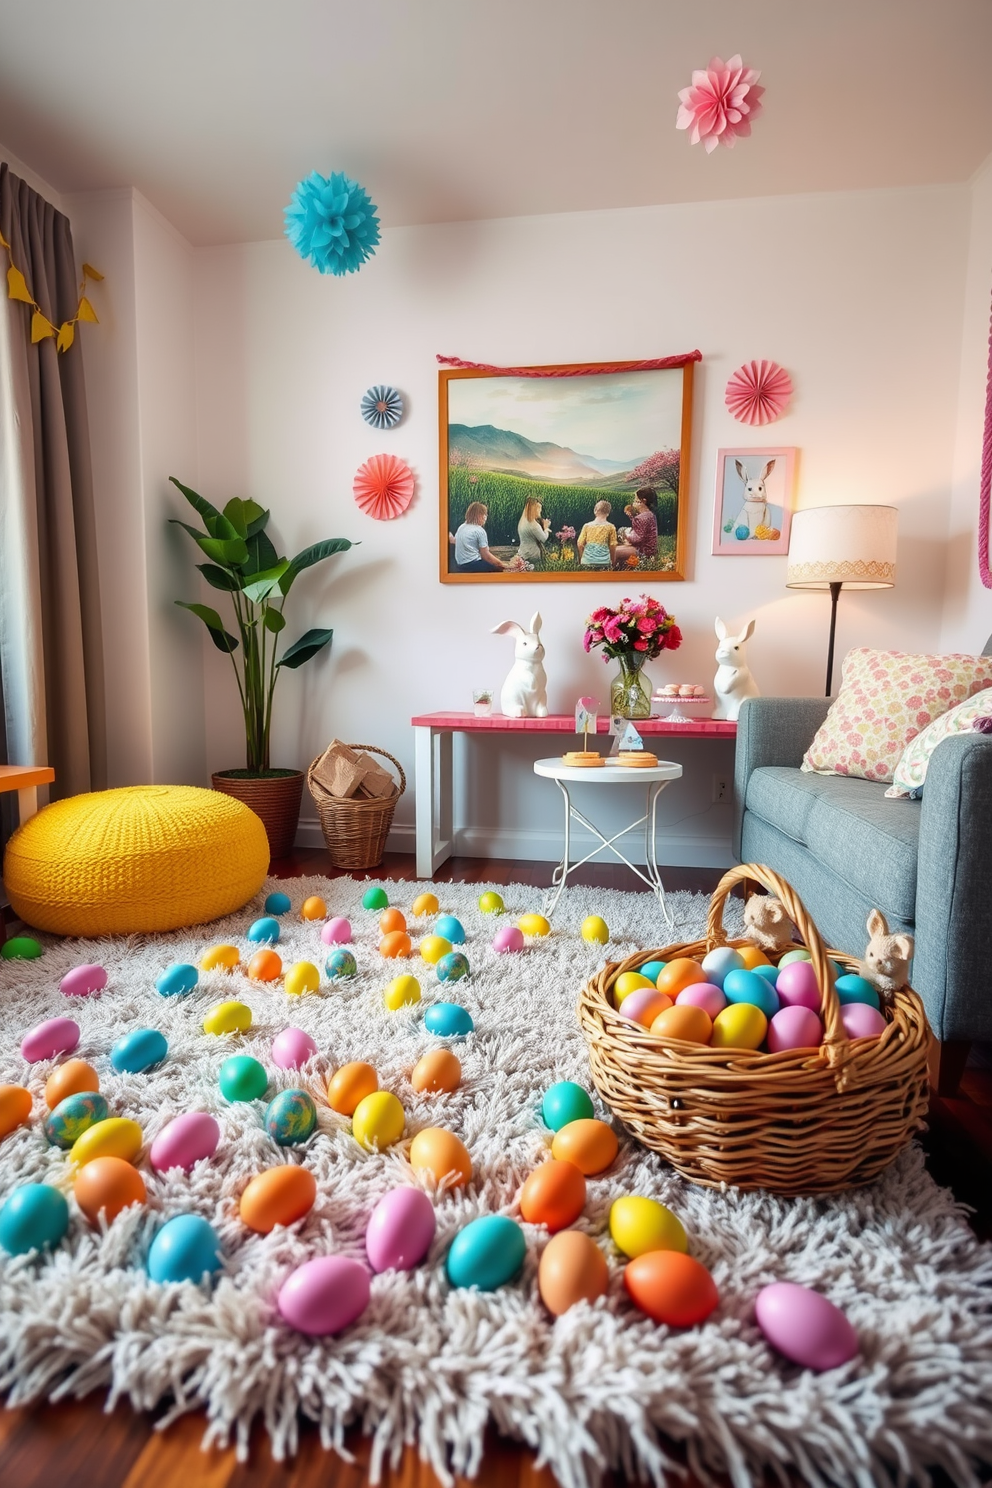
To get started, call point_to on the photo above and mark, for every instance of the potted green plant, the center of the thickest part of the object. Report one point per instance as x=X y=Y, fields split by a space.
x=244 y=565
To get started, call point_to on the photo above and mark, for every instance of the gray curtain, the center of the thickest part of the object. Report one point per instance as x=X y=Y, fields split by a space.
x=50 y=606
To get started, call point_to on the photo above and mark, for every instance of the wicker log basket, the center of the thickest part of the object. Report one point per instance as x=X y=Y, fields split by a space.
x=803 y=1122
x=355 y=830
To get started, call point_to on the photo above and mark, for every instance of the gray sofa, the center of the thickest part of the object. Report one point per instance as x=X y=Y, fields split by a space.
x=846 y=849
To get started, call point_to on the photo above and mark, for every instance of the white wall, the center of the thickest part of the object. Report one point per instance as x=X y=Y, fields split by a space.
x=859 y=295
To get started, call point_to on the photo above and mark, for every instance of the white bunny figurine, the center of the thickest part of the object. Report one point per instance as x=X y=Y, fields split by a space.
x=524 y=694
x=733 y=681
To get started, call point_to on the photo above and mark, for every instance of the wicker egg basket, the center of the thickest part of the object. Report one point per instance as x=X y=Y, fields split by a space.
x=355 y=830
x=804 y=1122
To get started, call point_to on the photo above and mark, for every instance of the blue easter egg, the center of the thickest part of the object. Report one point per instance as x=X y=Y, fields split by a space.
x=745 y=986
x=448 y=1020
x=264 y=931
x=186 y=1248
x=564 y=1102
x=139 y=1051
x=770 y=973
x=452 y=967
x=177 y=980
x=742 y=533
x=341 y=963
x=487 y=1253
x=291 y=1117
x=73 y=1116
x=450 y=929
x=839 y=970
x=652 y=969
x=278 y=904
x=851 y=988
x=35 y=1217
x=719 y=962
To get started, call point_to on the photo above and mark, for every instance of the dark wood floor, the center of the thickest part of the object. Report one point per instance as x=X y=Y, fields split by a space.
x=76 y=1445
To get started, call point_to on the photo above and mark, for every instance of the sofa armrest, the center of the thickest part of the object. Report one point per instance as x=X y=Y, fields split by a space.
x=954 y=888
x=772 y=731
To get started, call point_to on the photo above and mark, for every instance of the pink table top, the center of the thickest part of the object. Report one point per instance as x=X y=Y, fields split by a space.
x=564 y=723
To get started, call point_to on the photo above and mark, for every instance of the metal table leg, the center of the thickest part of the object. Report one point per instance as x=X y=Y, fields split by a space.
x=652 y=877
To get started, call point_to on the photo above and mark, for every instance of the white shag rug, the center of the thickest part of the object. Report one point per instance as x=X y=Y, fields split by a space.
x=430 y=1365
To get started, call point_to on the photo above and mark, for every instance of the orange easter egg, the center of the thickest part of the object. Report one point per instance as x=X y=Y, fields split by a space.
x=392 y=919
x=671 y=1287
x=590 y=1144
x=15 y=1108
x=72 y=1078
x=277 y=1197
x=396 y=944
x=439 y=1071
x=313 y=908
x=349 y=1085
x=684 y=1021
x=572 y=1269
x=752 y=957
x=441 y=1154
x=108 y=1184
x=265 y=966
x=681 y=972
x=553 y=1195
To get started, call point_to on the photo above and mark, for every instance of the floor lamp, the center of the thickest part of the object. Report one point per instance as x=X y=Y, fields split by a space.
x=842 y=547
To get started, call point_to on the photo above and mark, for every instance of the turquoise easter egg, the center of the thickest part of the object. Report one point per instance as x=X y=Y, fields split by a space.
x=20 y=948
x=487 y=1253
x=35 y=1217
x=264 y=931
x=770 y=973
x=450 y=929
x=745 y=986
x=177 y=980
x=139 y=1051
x=448 y=1020
x=742 y=533
x=278 y=904
x=852 y=988
x=74 y=1115
x=186 y=1248
x=291 y=1117
x=242 y=1078
x=652 y=969
x=375 y=898
x=341 y=963
x=565 y=1102
x=452 y=967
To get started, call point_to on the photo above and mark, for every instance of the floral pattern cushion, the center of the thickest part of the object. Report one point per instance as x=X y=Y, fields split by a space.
x=886 y=699
x=911 y=771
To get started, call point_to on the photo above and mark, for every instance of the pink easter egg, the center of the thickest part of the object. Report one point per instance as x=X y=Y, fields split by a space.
x=805 y=1326
x=705 y=995
x=336 y=932
x=83 y=981
x=400 y=1231
x=324 y=1295
x=292 y=1048
x=643 y=1005
x=56 y=1036
x=794 y=1027
x=508 y=939
x=797 y=986
x=185 y=1140
x=861 y=1020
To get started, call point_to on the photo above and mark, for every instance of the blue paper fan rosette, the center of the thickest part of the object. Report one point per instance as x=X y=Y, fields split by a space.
x=331 y=222
x=382 y=407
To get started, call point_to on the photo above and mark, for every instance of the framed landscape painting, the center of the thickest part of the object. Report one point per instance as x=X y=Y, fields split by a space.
x=752 y=511
x=564 y=472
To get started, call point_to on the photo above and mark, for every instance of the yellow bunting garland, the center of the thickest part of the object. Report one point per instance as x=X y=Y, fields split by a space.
x=41 y=326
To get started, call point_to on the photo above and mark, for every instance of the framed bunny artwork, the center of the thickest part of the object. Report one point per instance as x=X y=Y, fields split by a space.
x=755 y=491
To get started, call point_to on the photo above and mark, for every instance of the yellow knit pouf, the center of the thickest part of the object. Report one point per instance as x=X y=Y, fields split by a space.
x=148 y=857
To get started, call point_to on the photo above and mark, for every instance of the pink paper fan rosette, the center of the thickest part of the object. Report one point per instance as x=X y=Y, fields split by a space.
x=720 y=103
x=759 y=392
x=384 y=487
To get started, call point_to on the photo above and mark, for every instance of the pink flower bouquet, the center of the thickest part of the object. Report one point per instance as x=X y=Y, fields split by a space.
x=641 y=627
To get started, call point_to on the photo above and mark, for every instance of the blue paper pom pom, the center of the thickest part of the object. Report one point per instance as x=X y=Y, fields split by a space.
x=382 y=407
x=742 y=533
x=332 y=223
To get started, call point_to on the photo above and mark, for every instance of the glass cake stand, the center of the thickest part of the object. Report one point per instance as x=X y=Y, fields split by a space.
x=676 y=715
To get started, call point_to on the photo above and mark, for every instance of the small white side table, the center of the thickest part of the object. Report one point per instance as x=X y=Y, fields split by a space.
x=654 y=778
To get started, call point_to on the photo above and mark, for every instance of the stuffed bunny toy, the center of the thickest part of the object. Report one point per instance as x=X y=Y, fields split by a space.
x=524 y=694
x=886 y=961
x=733 y=681
x=766 y=923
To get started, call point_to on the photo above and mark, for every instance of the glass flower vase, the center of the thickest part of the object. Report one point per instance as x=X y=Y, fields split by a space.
x=630 y=695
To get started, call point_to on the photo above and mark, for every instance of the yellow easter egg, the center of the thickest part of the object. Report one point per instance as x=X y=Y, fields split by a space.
x=402 y=991
x=425 y=904
x=752 y=957
x=227 y=1017
x=302 y=977
x=220 y=958
x=313 y=908
x=627 y=982
x=378 y=1121
x=595 y=929
x=639 y=1225
x=533 y=924
x=741 y=1025
x=349 y=1086
x=118 y=1136
x=433 y=947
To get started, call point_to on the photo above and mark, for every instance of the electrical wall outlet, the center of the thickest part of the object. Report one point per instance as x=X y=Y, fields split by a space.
x=721 y=789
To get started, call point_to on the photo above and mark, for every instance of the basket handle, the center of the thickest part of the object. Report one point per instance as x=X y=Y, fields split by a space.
x=834 y=1033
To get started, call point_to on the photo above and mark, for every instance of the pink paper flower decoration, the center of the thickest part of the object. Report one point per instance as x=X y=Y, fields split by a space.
x=758 y=392
x=384 y=487
x=720 y=104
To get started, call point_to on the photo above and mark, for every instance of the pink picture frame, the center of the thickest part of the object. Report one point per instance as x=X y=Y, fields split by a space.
x=754 y=500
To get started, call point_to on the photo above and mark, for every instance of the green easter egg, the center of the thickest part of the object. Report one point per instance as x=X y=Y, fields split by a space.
x=242 y=1078
x=20 y=948
x=375 y=898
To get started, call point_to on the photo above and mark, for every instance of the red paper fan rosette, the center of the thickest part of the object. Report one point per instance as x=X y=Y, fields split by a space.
x=384 y=487
x=759 y=392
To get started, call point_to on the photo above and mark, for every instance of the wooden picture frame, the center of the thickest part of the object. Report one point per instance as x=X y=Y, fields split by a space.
x=754 y=500
x=508 y=440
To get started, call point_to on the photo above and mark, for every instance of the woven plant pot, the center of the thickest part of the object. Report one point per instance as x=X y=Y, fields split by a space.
x=274 y=797
x=803 y=1122
x=355 y=829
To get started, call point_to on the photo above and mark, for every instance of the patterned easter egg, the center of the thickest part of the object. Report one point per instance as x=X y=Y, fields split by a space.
x=340 y=963
x=452 y=967
x=73 y=1116
x=291 y=1117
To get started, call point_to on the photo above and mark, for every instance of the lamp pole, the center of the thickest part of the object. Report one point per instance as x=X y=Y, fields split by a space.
x=835 y=589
